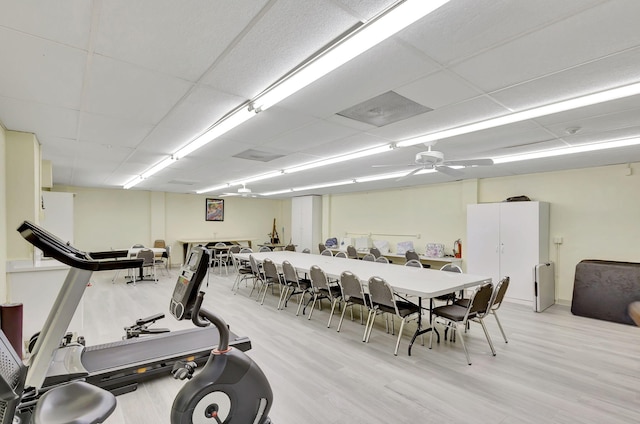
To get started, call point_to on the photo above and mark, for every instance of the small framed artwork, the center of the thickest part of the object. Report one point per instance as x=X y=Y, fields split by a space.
x=214 y=210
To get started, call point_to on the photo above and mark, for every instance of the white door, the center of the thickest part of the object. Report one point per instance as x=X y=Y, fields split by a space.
x=482 y=253
x=519 y=247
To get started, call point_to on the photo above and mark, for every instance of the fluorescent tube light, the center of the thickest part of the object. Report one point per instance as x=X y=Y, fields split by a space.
x=133 y=182
x=214 y=188
x=362 y=39
x=323 y=185
x=381 y=177
x=338 y=159
x=258 y=178
x=568 y=150
x=225 y=125
x=273 y=193
x=563 y=106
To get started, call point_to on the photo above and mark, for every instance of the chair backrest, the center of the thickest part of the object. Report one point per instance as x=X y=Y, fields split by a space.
x=351 y=286
x=326 y=252
x=341 y=254
x=137 y=246
x=381 y=293
x=411 y=254
x=318 y=278
x=147 y=255
x=306 y=250
x=451 y=268
x=413 y=262
x=265 y=249
x=220 y=244
x=290 y=247
x=369 y=257
x=270 y=270
x=246 y=250
x=322 y=247
x=499 y=292
x=235 y=248
x=375 y=252
x=290 y=273
x=168 y=250
x=255 y=269
x=159 y=243
x=479 y=304
x=382 y=260
x=352 y=253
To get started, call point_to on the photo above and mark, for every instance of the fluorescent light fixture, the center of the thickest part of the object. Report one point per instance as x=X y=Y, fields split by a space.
x=324 y=185
x=221 y=127
x=273 y=193
x=338 y=159
x=214 y=188
x=381 y=177
x=133 y=182
x=258 y=178
x=568 y=150
x=563 y=106
x=362 y=39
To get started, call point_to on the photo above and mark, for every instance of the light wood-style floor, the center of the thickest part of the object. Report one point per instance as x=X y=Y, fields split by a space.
x=556 y=368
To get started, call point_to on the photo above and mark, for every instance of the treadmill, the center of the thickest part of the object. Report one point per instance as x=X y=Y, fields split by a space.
x=121 y=365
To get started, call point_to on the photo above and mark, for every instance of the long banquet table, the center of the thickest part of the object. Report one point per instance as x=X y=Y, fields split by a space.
x=410 y=281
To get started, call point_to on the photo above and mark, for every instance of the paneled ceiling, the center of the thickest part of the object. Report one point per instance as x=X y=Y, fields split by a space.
x=111 y=88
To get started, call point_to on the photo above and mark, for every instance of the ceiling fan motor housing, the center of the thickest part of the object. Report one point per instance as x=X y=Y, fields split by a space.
x=429 y=158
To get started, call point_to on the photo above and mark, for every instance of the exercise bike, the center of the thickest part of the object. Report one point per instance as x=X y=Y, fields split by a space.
x=230 y=388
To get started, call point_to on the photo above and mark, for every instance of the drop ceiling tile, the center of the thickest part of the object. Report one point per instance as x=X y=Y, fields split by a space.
x=38 y=70
x=289 y=32
x=129 y=92
x=40 y=119
x=66 y=22
x=269 y=124
x=376 y=71
x=600 y=124
x=590 y=35
x=606 y=73
x=365 y=10
x=438 y=90
x=99 y=129
x=181 y=39
x=464 y=28
x=312 y=135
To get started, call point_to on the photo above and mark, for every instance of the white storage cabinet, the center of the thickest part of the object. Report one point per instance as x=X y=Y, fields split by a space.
x=508 y=239
x=306 y=222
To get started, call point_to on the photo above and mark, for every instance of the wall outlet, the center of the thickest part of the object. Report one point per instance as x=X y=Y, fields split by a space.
x=557 y=240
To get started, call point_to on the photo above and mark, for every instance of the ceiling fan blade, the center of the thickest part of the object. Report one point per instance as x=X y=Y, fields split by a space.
x=449 y=171
x=469 y=162
x=394 y=166
x=415 y=171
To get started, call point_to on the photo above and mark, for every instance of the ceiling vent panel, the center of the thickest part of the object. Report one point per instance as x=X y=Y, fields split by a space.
x=258 y=155
x=384 y=109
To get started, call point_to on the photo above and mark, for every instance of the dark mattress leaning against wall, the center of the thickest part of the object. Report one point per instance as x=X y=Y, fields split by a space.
x=604 y=289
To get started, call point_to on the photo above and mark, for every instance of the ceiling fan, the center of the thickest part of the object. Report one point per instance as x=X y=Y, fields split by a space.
x=242 y=192
x=433 y=159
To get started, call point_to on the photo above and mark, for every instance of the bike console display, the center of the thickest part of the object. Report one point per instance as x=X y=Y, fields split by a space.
x=186 y=290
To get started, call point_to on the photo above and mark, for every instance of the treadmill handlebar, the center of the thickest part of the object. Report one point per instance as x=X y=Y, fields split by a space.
x=67 y=254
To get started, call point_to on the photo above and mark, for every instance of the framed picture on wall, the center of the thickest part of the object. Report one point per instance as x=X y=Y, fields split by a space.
x=214 y=210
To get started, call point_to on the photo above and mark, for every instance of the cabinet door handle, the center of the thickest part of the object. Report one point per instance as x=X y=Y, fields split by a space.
x=501 y=247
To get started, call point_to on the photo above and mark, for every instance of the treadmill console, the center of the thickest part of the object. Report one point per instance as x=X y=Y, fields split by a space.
x=186 y=290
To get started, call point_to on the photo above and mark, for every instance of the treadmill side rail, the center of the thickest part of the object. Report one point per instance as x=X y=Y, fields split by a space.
x=66 y=365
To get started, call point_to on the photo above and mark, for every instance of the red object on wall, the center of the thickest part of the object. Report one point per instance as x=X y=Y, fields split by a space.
x=457 y=248
x=11 y=324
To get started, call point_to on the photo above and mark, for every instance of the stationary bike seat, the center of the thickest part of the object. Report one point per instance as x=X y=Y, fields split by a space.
x=74 y=403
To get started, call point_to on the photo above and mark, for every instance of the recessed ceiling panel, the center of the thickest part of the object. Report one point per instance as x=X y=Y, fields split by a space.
x=258 y=155
x=384 y=109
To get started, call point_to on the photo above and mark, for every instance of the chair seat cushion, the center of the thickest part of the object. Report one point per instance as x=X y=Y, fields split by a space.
x=463 y=302
x=451 y=312
x=406 y=308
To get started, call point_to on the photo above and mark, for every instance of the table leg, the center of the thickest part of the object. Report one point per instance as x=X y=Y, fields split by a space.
x=420 y=331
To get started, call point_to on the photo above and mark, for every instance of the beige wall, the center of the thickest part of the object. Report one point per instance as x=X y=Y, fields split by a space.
x=594 y=210
x=3 y=217
x=22 y=171
x=117 y=219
